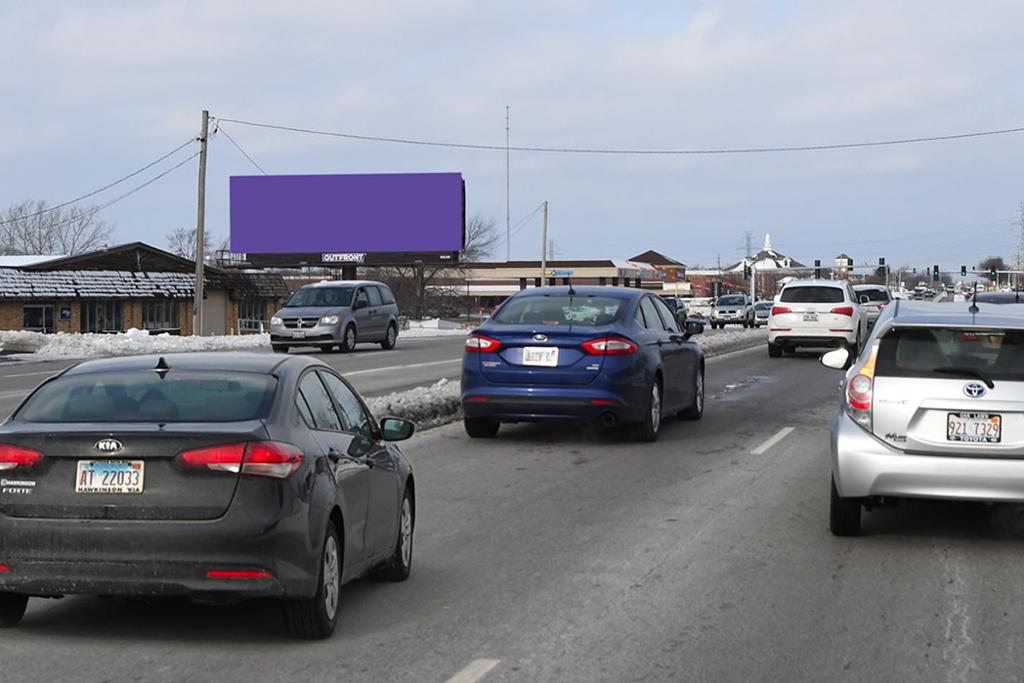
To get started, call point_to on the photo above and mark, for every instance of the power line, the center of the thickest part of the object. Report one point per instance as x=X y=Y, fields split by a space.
x=589 y=150
x=221 y=129
x=105 y=187
x=522 y=223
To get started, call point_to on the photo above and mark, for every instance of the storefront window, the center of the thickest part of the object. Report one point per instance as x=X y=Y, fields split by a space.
x=36 y=318
x=102 y=316
x=161 y=315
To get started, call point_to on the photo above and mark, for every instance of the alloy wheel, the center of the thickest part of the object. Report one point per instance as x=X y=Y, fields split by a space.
x=406 y=531
x=655 y=407
x=332 y=577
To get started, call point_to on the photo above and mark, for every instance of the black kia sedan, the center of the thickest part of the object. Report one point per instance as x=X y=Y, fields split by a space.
x=215 y=476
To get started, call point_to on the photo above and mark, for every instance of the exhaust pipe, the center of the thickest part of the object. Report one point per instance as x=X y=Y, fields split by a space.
x=608 y=419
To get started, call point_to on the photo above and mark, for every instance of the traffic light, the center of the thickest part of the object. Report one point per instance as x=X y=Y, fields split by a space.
x=935 y=273
x=881 y=261
x=992 y=273
x=746 y=272
x=817 y=269
x=963 y=271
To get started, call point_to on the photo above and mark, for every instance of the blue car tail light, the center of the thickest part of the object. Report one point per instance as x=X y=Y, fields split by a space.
x=478 y=343
x=610 y=346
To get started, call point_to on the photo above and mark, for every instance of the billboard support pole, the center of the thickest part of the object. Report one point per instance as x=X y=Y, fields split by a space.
x=197 y=306
x=508 y=201
x=544 y=249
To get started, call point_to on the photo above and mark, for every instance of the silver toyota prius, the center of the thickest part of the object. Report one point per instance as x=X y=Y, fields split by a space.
x=932 y=408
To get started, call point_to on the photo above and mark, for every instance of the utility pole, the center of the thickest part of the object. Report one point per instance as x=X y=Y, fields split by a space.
x=197 y=307
x=544 y=248
x=753 y=283
x=508 y=201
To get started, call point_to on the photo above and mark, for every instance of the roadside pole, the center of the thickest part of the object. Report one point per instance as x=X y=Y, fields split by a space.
x=197 y=306
x=753 y=283
x=544 y=249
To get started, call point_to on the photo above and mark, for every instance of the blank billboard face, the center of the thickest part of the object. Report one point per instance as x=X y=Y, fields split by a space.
x=395 y=212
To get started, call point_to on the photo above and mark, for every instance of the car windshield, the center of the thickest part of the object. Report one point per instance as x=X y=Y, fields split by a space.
x=560 y=310
x=812 y=295
x=952 y=353
x=143 y=396
x=873 y=294
x=730 y=301
x=320 y=297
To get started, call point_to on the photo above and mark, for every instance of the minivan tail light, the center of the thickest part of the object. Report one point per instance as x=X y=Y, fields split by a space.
x=256 y=458
x=610 y=346
x=12 y=457
x=781 y=310
x=478 y=343
x=843 y=310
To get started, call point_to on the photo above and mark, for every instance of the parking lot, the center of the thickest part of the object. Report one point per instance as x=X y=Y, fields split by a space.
x=553 y=553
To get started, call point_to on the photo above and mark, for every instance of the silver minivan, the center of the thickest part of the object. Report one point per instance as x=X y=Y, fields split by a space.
x=932 y=408
x=336 y=315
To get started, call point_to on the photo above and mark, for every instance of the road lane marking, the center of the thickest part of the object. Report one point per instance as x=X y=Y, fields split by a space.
x=476 y=670
x=30 y=374
x=402 y=367
x=779 y=436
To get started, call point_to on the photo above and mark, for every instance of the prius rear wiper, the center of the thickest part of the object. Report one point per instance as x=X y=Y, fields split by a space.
x=970 y=372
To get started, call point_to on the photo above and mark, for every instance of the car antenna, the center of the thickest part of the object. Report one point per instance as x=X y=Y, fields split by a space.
x=162 y=368
x=973 y=310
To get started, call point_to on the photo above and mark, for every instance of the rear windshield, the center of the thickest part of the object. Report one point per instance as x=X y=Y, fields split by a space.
x=952 y=353
x=560 y=310
x=321 y=297
x=763 y=306
x=873 y=294
x=141 y=396
x=730 y=301
x=812 y=295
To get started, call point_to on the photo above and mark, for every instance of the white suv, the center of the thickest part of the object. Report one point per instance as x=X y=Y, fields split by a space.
x=816 y=313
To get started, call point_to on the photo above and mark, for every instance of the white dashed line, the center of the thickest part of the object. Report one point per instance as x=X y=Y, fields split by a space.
x=401 y=367
x=30 y=374
x=779 y=436
x=476 y=670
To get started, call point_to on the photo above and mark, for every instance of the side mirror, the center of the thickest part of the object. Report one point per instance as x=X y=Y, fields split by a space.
x=836 y=359
x=360 y=303
x=864 y=298
x=397 y=428
x=694 y=327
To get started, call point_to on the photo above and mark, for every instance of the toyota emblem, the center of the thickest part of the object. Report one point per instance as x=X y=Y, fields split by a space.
x=540 y=337
x=108 y=445
x=975 y=389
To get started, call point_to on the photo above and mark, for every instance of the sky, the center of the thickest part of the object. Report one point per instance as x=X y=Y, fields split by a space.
x=94 y=90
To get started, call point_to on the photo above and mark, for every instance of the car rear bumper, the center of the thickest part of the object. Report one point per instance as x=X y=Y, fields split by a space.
x=817 y=338
x=864 y=466
x=48 y=556
x=534 y=403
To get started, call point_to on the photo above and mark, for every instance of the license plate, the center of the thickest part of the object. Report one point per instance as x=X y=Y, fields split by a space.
x=810 y=317
x=546 y=356
x=974 y=427
x=110 y=476
x=299 y=334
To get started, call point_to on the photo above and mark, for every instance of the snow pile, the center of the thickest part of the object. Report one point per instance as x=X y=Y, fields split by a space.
x=728 y=340
x=420 y=332
x=132 y=342
x=430 y=406
x=434 y=324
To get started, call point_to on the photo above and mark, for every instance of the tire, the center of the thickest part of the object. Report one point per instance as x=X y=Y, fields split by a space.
x=398 y=566
x=481 y=427
x=12 y=609
x=844 y=514
x=774 y=350
x=696 y=411
x=279 y=348
x=348 y=339
x=316 y=618
x=390 y=337
x=647 y=430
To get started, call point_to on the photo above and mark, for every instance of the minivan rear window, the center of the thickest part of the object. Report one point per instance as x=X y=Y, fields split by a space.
x=812 y=295
x=949 y=352
x=142 y=396
x=321 y=297
x=560 y=310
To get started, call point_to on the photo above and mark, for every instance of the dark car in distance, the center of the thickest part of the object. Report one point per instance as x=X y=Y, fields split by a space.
x=560 y=353
x=211 y=475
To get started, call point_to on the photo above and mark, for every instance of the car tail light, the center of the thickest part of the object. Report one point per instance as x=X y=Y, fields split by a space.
x=258 y=458
x=478 y=343
x=15 y=456
x=610 y=346
x=843 y=310
x=4 y=568
x=235 y=574
x=860 y=390
x=780 y=310
x=601 y=402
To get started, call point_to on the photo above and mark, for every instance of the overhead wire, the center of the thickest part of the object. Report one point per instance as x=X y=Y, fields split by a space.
x=522 y=223
x=598 y=150
x=221 y=129
x=95 y=192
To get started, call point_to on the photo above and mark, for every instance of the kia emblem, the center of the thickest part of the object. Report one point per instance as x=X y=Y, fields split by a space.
x=975 y=389
x=108 y=445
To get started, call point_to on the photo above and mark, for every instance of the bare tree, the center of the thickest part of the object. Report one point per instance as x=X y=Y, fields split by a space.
x=182 y=241
x=31 y=227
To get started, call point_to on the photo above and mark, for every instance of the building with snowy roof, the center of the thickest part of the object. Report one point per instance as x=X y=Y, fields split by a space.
x=766 y=259
x=130 y=286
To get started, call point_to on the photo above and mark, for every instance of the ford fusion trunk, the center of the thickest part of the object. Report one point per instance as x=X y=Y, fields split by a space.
x=542 y=355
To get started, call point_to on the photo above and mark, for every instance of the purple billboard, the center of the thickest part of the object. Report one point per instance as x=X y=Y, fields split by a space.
x=342 y=215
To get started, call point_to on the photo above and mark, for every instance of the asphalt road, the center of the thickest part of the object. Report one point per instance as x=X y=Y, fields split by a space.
x=557 y=554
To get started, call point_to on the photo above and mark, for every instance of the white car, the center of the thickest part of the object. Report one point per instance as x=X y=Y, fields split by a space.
x=878 y=297
x=816 y=313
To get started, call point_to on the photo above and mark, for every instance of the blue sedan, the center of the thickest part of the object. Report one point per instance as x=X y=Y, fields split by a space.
x=613 y=354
